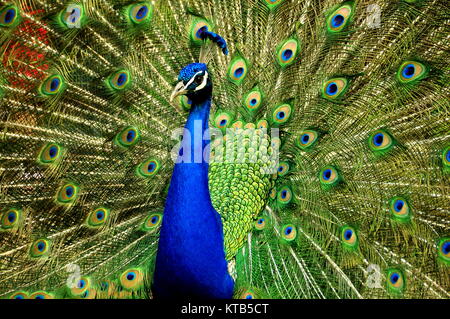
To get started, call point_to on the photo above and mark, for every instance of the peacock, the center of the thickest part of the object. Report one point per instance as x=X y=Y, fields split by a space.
x=224 y=149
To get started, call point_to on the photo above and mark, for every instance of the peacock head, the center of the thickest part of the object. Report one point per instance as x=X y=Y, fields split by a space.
x=194 y=82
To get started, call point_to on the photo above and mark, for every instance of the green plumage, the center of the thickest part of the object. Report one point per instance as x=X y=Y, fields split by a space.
x=356 y=207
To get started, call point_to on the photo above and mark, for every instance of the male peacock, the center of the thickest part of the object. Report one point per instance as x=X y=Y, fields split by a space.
x=357 y=206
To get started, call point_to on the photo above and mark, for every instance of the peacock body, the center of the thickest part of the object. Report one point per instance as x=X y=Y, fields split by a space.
x=314 y=160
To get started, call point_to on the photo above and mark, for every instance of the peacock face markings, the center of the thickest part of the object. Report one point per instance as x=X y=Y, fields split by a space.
x=194 y=82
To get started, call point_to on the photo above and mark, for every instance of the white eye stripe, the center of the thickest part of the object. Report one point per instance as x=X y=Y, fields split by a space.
x=205 y=79
x=193 y=78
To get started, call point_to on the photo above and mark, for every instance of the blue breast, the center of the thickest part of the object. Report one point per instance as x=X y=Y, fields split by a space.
x=191 y=258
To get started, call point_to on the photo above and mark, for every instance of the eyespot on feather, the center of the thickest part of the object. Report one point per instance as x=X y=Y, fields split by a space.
x=52 y=85
x=40 y=248
x=329 y=176
x=152 y=222
x=272 y=4
x=289 y=232
x=89 y=293
x=9 y=16
x=380 y=141
x=284 y=195
x=19 y=295
x=41 y=295
x=148 y=168
x=444 y=249
x=283 y=168
x=287 y=52
x=98 y=217
x=250 y=126
x=307 y=139
x=275 y=143
x=237 y=71
x=260 y=223
x=50 y=153
x=262 y=124
x=253 y=100
x=349 y=237
x=11 y=218
x=446 y=157
x=248 y=294
x=140 y=13
x=67 y=193
x=222 y=120
x=81 y=286
x=132 y=279
x=339 y=18
x=399 y=208
x=195 y=29
x=73 y=16
x=273 y=193
x=334 y=88
x=119 y=80
x=411 y=71
x=128 y=137
x=395 y=281
x=281 y=114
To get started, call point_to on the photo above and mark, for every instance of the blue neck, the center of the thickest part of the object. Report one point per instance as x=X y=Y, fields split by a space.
x=191 y=258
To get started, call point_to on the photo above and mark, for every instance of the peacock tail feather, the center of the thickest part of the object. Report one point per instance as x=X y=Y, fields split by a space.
x=349 y=200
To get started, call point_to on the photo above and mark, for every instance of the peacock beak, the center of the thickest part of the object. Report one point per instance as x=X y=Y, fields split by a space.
x=178 y=90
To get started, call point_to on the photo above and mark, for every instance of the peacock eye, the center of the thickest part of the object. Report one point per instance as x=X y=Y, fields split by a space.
x=198 y=79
